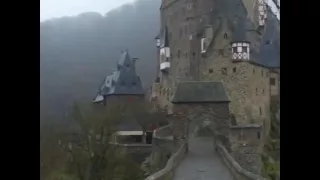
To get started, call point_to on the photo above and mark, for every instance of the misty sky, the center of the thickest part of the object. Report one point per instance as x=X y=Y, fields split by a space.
x=58 y=8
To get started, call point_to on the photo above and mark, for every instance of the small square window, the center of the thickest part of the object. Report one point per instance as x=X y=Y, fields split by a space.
x=234 y=49
x=244 y=49
x=210 y=71
x=256 y=91
x=224 y=71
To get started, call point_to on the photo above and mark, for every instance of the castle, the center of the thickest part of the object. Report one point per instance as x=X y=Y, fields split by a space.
x=218 y=68
x=236 y=42
x=218 y=62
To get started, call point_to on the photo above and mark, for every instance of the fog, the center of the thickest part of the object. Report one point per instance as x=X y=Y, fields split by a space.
x=58 y=8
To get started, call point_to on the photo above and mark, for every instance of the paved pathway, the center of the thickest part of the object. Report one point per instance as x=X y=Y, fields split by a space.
x=202 y=162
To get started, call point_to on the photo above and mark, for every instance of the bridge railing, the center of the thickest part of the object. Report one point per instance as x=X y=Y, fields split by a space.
x=236 y=170
x=167 y=172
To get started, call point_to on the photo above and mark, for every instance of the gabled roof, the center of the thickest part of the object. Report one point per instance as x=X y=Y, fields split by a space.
x=123 y=81
x=200 y=91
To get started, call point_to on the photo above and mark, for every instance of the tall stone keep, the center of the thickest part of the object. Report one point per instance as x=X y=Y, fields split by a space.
x=236 y=42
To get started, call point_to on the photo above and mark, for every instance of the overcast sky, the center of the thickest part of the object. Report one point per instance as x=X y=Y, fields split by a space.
x=58 y=8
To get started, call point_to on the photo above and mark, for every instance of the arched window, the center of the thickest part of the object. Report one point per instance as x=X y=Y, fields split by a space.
x=225 y=36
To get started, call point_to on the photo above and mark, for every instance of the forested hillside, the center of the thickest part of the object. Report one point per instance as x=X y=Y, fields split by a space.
x=77 y=52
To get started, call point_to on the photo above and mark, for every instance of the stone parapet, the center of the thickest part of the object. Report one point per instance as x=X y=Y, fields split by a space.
x=236 y=170
x=167 y=172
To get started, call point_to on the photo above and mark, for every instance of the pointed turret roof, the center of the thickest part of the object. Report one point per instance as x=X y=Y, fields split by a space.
x=123 y=81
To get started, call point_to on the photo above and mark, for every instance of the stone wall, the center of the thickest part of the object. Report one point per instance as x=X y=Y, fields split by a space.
x=247 y=86
x=162 y=147
x=238 y=172
x=246 y=146
x=167 y=173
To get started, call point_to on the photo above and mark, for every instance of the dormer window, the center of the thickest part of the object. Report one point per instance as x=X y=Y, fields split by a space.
x=240 y=50
x=234 y=49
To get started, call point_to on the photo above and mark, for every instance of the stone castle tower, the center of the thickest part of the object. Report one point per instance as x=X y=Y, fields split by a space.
x=236 y=42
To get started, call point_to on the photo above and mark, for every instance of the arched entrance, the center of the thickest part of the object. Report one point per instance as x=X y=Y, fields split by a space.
x=200 y=134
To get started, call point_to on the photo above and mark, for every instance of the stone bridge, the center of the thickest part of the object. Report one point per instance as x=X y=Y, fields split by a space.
x=201 y=159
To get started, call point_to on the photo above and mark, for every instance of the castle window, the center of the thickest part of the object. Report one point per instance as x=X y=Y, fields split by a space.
x=260 y=110
x=225 y=36
x=234 y=49
x=267 y=74
x=210 y=71
x=194 y=55
x=258 y=135
x=272 y=81
x=253 y=71
x=256 y=91
x=203 y=45
x=234 y=69
x=262 y=91
x=178 y=55
x=261 y=72
x=180 y=33
x=186 y=54
x=244 y=49
x=224 y=71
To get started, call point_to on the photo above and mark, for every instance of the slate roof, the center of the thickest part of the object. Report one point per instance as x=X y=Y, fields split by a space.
x=269 y=51
x=267 y=55
x=129 y=126
x=197 y=91
x=123 y=81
